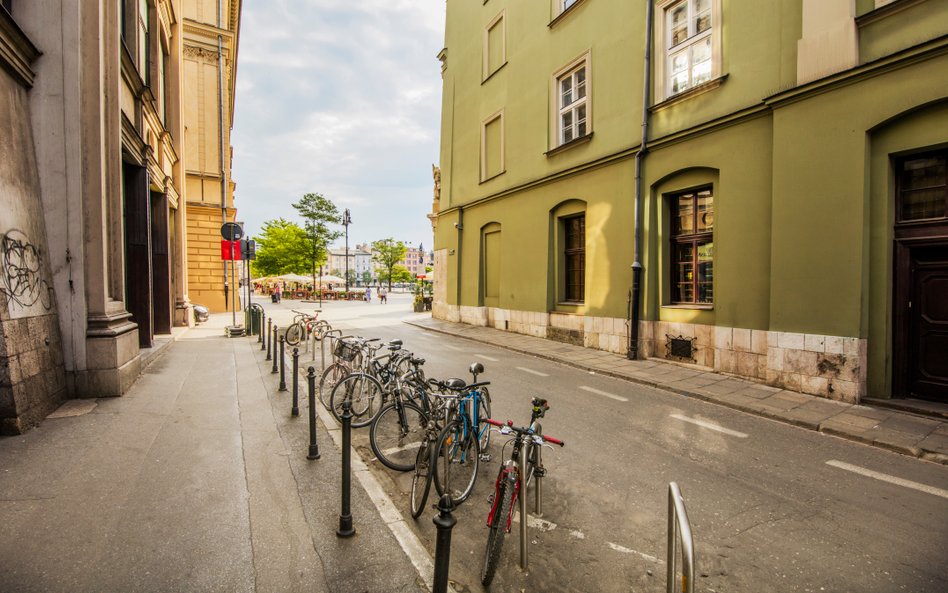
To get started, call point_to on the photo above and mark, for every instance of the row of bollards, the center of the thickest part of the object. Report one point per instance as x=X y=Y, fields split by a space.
x=444 y=521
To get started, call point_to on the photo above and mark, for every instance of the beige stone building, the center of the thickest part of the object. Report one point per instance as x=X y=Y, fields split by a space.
x=211 y=30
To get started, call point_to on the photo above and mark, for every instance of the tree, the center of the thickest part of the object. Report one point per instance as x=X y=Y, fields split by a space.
x=387 y=253
x=366 y=277
x=282 y=247
x=399 y=273
x=318 y=213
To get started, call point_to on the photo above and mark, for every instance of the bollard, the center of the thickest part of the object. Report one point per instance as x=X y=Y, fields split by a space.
x=445 y=523
x=260 y=338
x=282 y=363
x=295 y=410
x=313 y=447
x=269 y=335
x=345 y=517
x=273 y=339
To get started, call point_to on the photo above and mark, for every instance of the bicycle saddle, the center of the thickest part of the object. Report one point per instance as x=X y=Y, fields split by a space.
x=455 y=383
x=417 y=361
x=476 y=368
x=395 y=345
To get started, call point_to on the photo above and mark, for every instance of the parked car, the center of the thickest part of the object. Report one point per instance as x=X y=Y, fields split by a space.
x=201 y=313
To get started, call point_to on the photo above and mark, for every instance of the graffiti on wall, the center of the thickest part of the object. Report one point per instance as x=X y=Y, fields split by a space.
x=21 y=273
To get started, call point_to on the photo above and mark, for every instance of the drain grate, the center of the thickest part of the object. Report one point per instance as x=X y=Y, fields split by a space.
x=680 y=347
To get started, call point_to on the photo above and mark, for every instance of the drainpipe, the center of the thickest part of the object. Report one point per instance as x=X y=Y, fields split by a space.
x=636 y=296
x=220 y=96
x=459 y=225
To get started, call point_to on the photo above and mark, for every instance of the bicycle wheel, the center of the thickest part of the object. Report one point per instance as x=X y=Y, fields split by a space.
x=421 y=481
x=333 y=374
x=483 y=413
x=456 y=459
x=363 y=392
x=294 y=333
x=396 y=433
x=498 y=521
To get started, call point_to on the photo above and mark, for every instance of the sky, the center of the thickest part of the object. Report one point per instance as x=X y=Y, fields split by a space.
x=342 y=98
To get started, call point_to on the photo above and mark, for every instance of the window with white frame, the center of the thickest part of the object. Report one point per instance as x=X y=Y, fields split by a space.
x=690 y=44
x=572 y=103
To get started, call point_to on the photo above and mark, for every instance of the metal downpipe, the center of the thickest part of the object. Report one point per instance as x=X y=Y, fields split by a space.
x=636 y=297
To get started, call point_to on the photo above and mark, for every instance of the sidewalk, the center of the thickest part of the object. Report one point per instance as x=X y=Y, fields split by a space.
x=902 y=432
x=195 y=480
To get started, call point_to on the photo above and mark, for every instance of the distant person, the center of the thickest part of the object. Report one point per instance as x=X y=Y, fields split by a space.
x=368 y=294
x=278 y=292
x=383 y=297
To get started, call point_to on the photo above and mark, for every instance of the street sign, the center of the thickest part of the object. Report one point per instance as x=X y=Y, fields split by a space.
x=232 y=231
x=248 y=249
x=230 y=249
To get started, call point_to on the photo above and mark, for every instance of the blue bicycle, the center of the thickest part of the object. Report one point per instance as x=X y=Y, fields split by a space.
x=458 y=449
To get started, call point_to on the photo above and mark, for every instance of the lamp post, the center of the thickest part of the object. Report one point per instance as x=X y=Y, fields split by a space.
x=346 y=221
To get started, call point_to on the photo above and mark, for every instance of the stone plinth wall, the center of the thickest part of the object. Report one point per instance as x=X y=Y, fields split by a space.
x=32 y=378
x=828 y=366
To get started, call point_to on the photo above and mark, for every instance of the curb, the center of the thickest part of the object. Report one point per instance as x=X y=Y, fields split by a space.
x=912 y=451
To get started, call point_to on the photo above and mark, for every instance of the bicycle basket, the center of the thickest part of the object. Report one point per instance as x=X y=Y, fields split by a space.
x=346 y=351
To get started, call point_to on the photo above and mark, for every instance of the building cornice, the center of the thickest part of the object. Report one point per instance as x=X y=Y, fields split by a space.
x=17 y=52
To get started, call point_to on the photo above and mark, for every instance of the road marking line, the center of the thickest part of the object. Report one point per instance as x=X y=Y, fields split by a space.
x=625 y=550
x=604 y=393
x=535 y=522
x=531 y=371
x=400 y=449
x=457 y=348
x=485 y=357
x=710 y=426
x=890 y=479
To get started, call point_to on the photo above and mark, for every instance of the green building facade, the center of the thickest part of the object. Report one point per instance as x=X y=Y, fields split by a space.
x=792 y=187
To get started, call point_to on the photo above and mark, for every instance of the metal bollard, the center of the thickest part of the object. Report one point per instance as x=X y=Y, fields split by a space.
x=295 y=410
x=345 y=517
x=273 y=338
x=269 y=335
x=263 y=316
x=445 y=523
x=282 y=363
x=313 y=447
x=524 y=561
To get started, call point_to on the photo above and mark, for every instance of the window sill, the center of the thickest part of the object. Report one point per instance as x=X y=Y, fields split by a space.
x=691 y=306
x=570 y=144
x=491 y=75
x=492 y=177
x=690 y=93
x=562 y=15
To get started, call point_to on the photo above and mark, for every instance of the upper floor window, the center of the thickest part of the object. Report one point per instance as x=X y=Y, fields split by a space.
x=495 y=45
x=922 y=182
x=143 y=41
x=573 y=102
x=692 y=247
x=690 y=44
x=567 y=3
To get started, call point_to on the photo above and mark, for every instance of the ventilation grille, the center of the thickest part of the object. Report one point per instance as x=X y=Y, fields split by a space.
x=680 y=348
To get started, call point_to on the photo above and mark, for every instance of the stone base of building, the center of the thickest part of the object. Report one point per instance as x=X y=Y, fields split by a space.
x=829 y=366
x=113 y=364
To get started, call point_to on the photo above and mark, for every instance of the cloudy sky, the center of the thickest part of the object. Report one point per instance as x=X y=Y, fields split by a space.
x=343 y=98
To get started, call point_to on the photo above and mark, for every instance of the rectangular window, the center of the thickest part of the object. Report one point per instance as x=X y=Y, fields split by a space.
x=495 y=45
x=492 y=146
x=692 y=247
x=143 y=41
x=572 y=99
x=574 y=256
x=690 y=44
x=922 y=182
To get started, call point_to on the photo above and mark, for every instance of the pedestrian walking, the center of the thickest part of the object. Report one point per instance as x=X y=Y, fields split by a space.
x=368 y=294
x=383 y=297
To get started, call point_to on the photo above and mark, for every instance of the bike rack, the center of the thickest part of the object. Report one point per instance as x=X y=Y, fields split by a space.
x=331 y=334
x=679 y=528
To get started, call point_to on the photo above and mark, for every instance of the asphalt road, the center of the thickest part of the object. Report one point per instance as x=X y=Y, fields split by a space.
x=772 y=507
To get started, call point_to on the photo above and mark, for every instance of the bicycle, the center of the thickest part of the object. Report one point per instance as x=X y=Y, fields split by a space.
x=421 y=480
x=303 y=325
x=365 y=390
x=457 y=454
x=513 y=480
x=346 y=358
x=399 y=427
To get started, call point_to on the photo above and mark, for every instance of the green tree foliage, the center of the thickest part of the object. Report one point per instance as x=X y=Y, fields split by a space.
x=318 y=213
x=387 y=253
x=366 y=277
x=282 y=248
x=399 y=273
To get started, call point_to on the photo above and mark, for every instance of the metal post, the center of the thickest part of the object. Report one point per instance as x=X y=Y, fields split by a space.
x=322 y=353
x=263 y=316
x=523 y=509
x=282 y=363
x=269 y=335
x=295 y=410
x=538 y=480
x=273 y=339
x=679 y=528
x=345 y=517
x=445 y=523
x=313 y=447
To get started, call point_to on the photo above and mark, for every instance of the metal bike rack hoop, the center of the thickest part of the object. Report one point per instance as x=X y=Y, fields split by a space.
x=679 y=528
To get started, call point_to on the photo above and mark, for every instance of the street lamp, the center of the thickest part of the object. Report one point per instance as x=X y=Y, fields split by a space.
x=346 y=221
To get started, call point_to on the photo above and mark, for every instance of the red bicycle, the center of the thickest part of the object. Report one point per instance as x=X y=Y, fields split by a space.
x=513 y=480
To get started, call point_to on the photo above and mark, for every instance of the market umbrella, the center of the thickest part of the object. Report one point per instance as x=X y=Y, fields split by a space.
x=295 y=278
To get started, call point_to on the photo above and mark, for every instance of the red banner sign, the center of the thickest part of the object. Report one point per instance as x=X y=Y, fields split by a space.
x=230 y=249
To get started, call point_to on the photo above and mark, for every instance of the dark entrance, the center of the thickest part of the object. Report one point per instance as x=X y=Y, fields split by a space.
x=138 y=284
x=161 y=264
x=920 y=340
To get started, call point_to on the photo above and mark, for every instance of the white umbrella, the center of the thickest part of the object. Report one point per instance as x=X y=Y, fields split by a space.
x=330 y=279
x=295 y=278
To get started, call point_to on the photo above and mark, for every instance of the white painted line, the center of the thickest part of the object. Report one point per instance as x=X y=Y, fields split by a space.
x=577 y=534
x=710 y=426
x=535 y=522
x=531 y=371
x=890 y=479
x=456 y=348
x=618 y=398
x=625 y=550
x=400 y=449
x=485 y=357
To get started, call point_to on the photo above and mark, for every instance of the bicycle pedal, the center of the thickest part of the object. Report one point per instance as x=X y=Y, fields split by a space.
x=485 y=457
x=539 y=472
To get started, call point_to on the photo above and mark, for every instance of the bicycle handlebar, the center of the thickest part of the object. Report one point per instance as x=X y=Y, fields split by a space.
x=524 y=431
